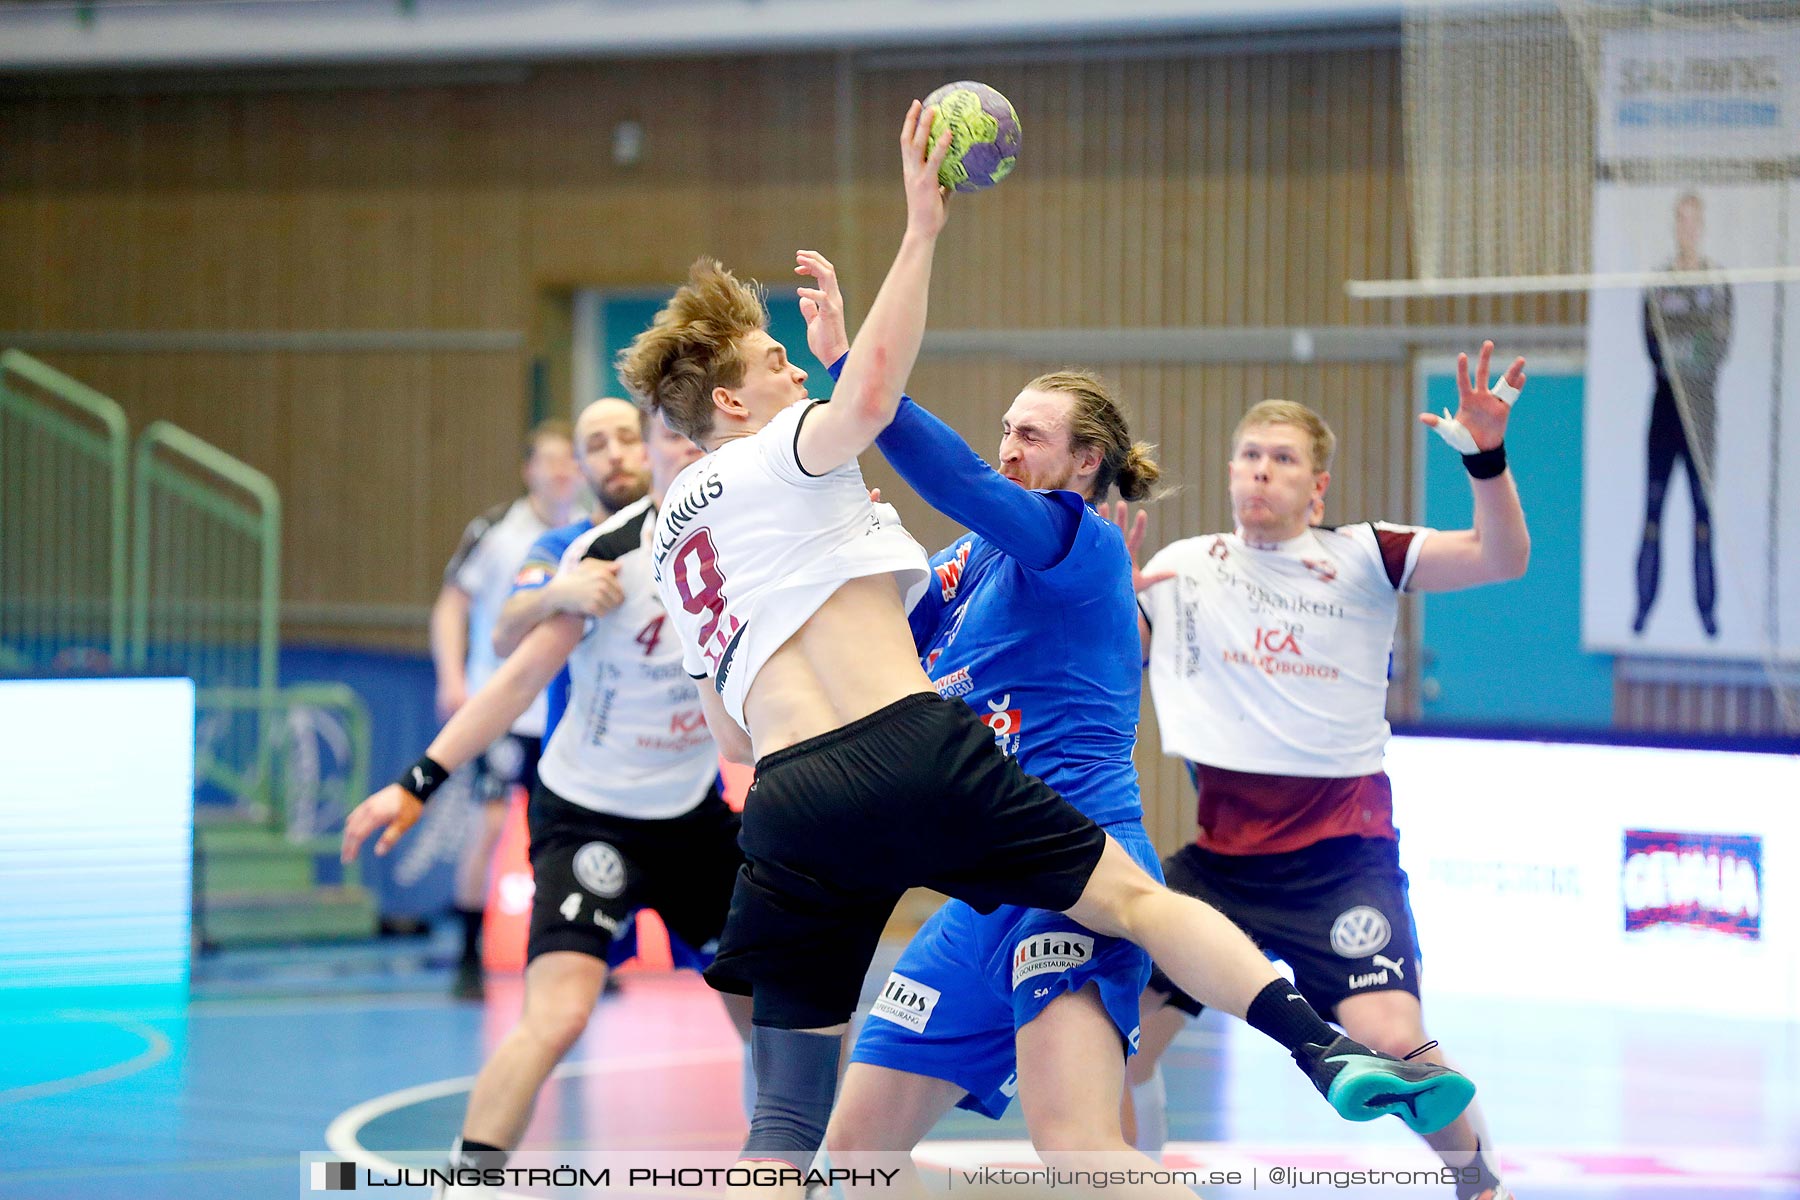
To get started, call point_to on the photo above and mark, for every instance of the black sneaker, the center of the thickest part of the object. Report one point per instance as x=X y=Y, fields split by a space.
x=1363 y=1085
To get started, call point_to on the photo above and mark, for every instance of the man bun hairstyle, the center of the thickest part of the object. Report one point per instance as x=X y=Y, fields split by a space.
x=692 y=347
x=1096 y=420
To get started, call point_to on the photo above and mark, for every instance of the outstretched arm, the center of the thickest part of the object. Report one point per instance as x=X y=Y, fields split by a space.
x=486 y=715
x=1031 y=527
x=869 y=390
x=1036 y=528
x=1498 y=547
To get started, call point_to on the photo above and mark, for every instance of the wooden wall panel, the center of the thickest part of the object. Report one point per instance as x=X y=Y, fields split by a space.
x=1706 y=708
x=1193 y=190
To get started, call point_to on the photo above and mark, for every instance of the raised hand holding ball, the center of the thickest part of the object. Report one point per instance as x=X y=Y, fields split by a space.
x=984 y=135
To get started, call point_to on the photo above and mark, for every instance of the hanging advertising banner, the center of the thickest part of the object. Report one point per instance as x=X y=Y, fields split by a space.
x=1688 y=406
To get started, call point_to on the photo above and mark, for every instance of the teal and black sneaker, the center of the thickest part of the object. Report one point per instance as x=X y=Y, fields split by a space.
x=1363 y=1085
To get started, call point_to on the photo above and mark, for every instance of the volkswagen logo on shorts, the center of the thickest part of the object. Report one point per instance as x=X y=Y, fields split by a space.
x=601 y=871
x=1360 y=932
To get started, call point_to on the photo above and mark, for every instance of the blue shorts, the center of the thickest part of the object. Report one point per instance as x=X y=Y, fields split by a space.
x=682 y=956
x=966 y=984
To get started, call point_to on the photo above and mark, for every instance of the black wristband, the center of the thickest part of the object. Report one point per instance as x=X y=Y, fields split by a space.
x=423 y=778
x=1485 y=464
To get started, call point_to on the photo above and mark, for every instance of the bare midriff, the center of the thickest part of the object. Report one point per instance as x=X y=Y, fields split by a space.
x=853 y=656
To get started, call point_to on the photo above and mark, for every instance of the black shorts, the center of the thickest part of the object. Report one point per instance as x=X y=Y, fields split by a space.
x=1337 y=912
x=594 y=870
x=837 y=827
x=513 y=759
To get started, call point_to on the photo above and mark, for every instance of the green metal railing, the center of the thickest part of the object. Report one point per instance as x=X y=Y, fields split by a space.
x=166 y=559
x=315 y=759
x=63 y=463
x=205 y=588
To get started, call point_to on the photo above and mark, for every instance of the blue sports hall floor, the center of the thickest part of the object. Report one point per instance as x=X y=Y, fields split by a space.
x=360 y=1051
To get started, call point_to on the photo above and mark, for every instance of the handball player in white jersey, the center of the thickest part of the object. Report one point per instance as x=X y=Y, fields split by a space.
x=626 y=815
x=1268 y=649
x=790 y=592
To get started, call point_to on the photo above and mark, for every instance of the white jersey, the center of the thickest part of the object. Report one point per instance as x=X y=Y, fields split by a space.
x=492 y=547
x=748 y=546
x=633 y=741
x=1276 y=661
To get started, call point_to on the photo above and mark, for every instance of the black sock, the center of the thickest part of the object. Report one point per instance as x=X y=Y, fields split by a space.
x=1284 y=1015
x=471 y=931
x=477 y=1156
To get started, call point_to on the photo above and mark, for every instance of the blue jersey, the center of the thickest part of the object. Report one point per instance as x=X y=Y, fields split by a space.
x=1031 y=621
x=1048 y=658
x=537 y=570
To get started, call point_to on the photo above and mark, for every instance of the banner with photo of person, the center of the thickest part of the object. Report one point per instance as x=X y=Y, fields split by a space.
x=1692 y=422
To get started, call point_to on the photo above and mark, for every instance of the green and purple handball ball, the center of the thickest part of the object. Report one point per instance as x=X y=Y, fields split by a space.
x=984 y=135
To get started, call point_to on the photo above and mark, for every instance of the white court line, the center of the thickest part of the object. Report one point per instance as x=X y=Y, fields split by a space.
x=341 y=1136
x=156 y=1048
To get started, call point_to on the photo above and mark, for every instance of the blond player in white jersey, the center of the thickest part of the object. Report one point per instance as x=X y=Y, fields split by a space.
x=789 y=595
x=1268 y=648
x=626 y=814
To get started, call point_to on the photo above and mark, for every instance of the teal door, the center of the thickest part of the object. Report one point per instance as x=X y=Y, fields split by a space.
x=1510 y=654
x=624 y=314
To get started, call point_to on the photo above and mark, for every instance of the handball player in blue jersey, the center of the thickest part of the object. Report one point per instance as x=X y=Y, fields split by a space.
x=1030 y=619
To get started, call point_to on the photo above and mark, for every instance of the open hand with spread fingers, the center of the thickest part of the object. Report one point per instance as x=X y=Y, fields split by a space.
x=1133 y=529
x=823 y=307
x=1482 y=411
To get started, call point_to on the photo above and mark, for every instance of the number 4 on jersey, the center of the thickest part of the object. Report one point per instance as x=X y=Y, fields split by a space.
x=651 y=634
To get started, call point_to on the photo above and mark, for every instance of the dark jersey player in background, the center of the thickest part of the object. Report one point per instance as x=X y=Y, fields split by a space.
x=1686 y=331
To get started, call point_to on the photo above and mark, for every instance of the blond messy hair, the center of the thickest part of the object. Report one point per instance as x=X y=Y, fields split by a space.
x=694 y=346
x=1095 y=419
x=1321 y=442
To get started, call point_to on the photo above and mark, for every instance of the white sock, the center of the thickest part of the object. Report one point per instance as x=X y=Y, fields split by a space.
x=1150 y=1099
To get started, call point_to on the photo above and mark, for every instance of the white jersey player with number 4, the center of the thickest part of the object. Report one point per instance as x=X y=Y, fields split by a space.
x=633 y=741
x=627 y=813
